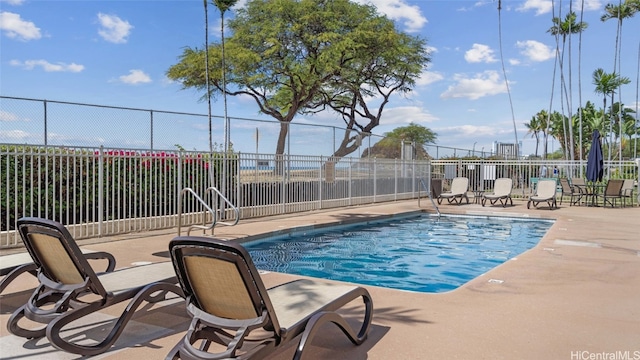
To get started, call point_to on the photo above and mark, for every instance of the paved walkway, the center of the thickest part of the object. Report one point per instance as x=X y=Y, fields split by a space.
x=573 y=296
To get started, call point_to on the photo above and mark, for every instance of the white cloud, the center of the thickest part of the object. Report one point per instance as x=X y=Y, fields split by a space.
x=540 y=6
x=7 y=116
x=482 y=84
x=589 y=5
x=15 y=135
x=535 y=51
x=47 y=66
x=399 y=10
x=514 y=62
x=429 y=77
x=135 y=77
x=406 y=115
x=13 y=2
x=113 y=29
x=16 y=28
x=479 y=53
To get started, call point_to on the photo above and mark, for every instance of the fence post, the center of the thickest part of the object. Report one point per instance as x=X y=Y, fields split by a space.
x=375 y=178
x=151 y=129
x=45 y=122
x=321 y=175
x=100 y=189
x=395 y=176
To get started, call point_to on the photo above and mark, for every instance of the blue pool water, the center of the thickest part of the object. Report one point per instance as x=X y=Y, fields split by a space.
x=423 y=253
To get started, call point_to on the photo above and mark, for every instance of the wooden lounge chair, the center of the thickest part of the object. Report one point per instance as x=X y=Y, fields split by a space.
x=69 y=289
x=15 y=265
x=501 y=192
x=459 y=187
x=545 y=192
x=612 y=192
x=232 y=310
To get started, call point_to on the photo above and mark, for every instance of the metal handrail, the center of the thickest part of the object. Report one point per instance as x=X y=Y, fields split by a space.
x=428 y=190
x=213 y=213
x=228 y=202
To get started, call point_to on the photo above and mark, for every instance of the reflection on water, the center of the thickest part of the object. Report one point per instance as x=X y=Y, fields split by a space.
x=423 y=254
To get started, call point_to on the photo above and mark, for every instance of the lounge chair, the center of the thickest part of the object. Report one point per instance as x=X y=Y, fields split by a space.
x=69 y=289
x=575 y=193
x=545 y=192
x=232 y=310
x=501 y=192
x=612 y=192
x=15 y=265
x=459 y=187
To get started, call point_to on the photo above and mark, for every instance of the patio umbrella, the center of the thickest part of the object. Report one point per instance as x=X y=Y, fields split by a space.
x=595 y=165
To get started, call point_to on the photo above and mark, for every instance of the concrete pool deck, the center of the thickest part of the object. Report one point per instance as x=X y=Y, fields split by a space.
x=576 y=295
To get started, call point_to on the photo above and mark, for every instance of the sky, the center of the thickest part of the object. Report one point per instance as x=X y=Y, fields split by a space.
x=117 y=53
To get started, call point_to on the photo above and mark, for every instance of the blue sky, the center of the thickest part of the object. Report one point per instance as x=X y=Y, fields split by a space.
x=117 y=53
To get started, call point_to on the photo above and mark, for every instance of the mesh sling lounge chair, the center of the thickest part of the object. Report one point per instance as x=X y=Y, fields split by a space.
x=232 y=310
x=459 y=187
x=69 y=288
x=545 y=192
x=15 y=265
x=501 y=192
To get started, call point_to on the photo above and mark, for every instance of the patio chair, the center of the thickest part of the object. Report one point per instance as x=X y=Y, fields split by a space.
x=574 y=192
x=459 y=187
x=612 y=192
x=69 y=289
x=14 y=265
x=501 y=192
x=545 y=192
x=627 y=191
x=232 y=310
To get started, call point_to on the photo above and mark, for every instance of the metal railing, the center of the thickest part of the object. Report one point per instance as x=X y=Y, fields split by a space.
x=101 y=192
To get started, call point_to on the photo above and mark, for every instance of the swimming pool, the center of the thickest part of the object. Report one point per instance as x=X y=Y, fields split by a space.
x=420 y=253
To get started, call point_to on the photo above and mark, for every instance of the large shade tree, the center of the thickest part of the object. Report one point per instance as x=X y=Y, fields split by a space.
x=390 y=64
x=282 y=53
x=390 y=147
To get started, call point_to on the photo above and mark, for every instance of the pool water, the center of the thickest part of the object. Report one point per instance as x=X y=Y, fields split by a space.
x=423 y=253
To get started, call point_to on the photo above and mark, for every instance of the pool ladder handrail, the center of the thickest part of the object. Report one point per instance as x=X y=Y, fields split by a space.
x=207 y=208
x=428 y=190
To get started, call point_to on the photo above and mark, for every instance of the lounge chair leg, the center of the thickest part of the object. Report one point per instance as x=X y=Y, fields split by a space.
x=55 y=327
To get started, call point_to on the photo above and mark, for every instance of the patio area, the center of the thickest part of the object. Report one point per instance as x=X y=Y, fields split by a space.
x=573 y=296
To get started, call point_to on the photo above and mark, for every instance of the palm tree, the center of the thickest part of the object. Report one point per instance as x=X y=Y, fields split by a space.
x=606 y=84
x=621 y=11
x=624 y=123
x=533 y=128
x=565 y=28
x=537 y=125
x=223 y=6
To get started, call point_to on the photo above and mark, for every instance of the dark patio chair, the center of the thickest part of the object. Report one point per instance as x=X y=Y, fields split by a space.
x=69 y=289
x=612 y=192
x=627 y=191
x=575 y=193
x=233 y=311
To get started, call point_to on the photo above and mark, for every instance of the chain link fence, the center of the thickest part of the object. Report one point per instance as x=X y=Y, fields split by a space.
x=26 y=121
